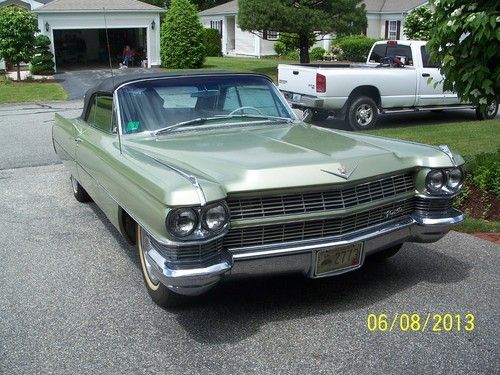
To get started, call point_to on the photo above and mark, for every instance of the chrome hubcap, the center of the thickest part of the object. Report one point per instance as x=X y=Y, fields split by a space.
x=145 y=247
x=491 y=109
x=364 y=114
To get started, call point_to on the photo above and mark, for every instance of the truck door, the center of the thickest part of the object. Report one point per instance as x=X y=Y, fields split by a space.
x=430 y=88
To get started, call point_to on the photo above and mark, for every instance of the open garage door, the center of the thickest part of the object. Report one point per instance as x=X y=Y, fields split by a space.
x=87 y=48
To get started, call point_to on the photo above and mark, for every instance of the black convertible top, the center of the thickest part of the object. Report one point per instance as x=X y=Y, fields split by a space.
x=109 y=85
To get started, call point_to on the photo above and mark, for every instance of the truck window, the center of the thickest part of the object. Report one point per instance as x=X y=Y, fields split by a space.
x=403 y=52
x=378 y=53
x=426 y=59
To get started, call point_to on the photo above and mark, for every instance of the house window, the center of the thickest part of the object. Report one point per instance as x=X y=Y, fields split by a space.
x=392 y=30
x=270 y=35
x=217 y=25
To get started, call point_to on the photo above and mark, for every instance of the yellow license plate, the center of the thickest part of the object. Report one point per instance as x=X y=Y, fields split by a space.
x=339 y=259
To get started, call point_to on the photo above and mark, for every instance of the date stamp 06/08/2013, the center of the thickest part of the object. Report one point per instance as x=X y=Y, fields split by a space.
x=425 y=322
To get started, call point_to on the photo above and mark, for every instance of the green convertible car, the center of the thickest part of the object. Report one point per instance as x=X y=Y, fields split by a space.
x=213 y=176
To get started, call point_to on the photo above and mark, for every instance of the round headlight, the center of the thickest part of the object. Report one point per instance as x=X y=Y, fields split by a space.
x=435 y=180
x=214 y=218
x=182 y=222
x=455 y=177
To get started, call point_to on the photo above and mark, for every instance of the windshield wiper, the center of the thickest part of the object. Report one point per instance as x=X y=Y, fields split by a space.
x=202 y=120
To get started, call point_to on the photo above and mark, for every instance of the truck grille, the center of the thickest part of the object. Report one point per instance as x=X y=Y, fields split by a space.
x=190 y=253
x=316 y=229
x=298 y=203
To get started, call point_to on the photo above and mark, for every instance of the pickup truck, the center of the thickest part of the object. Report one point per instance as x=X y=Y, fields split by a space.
x=398 y=76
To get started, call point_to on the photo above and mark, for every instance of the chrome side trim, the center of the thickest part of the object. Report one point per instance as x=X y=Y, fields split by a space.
x=192 y=179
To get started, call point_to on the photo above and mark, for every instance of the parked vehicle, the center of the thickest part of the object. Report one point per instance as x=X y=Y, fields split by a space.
x=397 y=77
x=212 y=176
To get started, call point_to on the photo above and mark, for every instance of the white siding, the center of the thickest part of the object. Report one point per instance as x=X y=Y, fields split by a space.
x=244 y=42
x=117 y=20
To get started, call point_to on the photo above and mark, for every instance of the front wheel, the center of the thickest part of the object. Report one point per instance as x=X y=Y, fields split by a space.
x=489 y=112
x=79 y=192
x=158 y=292
x=362 y=113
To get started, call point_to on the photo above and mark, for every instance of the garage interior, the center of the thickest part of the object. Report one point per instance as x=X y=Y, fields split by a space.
x=86 y=49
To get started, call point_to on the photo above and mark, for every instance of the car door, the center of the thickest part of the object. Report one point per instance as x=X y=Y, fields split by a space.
x=98 y=148
x=430 y=88
x=64 y=135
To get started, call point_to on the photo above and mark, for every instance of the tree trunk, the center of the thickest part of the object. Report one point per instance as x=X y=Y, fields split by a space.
x=304 y=48
x=18 y=72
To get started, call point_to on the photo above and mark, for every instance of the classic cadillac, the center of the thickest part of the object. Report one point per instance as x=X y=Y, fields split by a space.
x=213 y=176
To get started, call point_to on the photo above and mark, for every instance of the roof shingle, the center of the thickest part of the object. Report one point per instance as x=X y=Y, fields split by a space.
x=94 y=5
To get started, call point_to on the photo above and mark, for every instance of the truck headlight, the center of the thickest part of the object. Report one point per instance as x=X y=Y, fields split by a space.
x=214 y=218
x=435 y=180
x=181 y=222
x=455 y=179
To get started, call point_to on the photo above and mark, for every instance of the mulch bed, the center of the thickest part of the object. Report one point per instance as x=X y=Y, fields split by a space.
x=482 y=205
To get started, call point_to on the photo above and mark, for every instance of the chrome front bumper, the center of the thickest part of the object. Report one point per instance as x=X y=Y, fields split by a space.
x=297 y=257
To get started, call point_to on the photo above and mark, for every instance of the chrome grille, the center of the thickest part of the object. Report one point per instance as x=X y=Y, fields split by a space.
x=189 y=253
x=433 y=205
x=298 y=203
x=316 y=229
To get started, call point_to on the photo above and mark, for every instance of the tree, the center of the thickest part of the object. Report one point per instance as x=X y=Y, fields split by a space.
x=418 y=23
x=17 y=35
x=303 y=17
x=182 y=37
x=43 y=60
x=465 y=40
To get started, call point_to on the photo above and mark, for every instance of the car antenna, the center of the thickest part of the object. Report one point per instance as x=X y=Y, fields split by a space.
x=112 y=75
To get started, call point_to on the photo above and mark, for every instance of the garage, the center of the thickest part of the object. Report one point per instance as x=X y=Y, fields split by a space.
x=81 y=30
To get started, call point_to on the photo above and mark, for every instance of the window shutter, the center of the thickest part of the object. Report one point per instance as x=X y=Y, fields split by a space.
x=386 y=30
x=264 y=34
x=398 y=30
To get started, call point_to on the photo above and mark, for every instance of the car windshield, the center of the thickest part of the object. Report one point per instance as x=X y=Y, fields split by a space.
x=177 y=103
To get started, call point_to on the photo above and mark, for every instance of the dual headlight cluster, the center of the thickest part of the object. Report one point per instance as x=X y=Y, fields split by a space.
x=205 y=221
x=444 y=181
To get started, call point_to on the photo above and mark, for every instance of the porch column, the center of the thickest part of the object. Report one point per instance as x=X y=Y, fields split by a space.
x=224 y=36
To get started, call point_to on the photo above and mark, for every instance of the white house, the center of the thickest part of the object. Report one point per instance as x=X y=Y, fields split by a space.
x=385 y=20
x=81 y=30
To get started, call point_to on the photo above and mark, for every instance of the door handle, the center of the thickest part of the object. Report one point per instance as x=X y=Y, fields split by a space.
x=78 y=140
x=426 y=75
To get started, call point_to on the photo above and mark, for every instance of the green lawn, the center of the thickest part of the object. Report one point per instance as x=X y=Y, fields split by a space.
x=30 y=92
x=471 y=225
x=240 y=64
x=467 y=138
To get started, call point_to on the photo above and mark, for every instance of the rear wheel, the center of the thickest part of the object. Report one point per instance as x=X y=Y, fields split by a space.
x=489 y=112
x=386 y=253
x=79 y=192
x=159 y=293
x=362 y=113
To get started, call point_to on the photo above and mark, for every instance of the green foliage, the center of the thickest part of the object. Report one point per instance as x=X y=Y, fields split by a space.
x=317 y=53
x=354 y=48
x=303 y=17
x=292 y=55
x=17 y=34
x=279 y=48
x=182 y=37
x=212 y=42
x=465 y=39
x=484 y=172
x=42 y=62
x=418 y=23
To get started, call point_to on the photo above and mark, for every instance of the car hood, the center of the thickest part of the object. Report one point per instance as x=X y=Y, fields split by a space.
x=277 y=157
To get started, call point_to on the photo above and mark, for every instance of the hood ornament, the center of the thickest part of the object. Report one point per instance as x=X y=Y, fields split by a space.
x=342 y=171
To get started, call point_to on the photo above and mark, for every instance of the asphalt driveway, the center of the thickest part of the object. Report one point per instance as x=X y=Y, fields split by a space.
x=72 y=298
x=77 y=82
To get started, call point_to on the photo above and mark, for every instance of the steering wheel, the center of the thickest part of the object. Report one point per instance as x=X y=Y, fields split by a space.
x=245 y=107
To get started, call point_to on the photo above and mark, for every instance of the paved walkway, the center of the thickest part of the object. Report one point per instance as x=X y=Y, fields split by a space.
x=77 y=82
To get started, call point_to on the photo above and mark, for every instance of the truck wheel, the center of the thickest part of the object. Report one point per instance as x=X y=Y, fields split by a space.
x=362 y=113
x=79 y=192
x=158 y=292
x=489 y=113
x=386 y=253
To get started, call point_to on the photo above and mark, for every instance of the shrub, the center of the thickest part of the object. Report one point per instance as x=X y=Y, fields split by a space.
x=182 y=37
x=317 y=53
x=293 y=55
x=212 y=42
x=354 y=48
x=418 y=23
x=484 y=172
x=280 y=48
x=42 y=62
x=291 y=41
